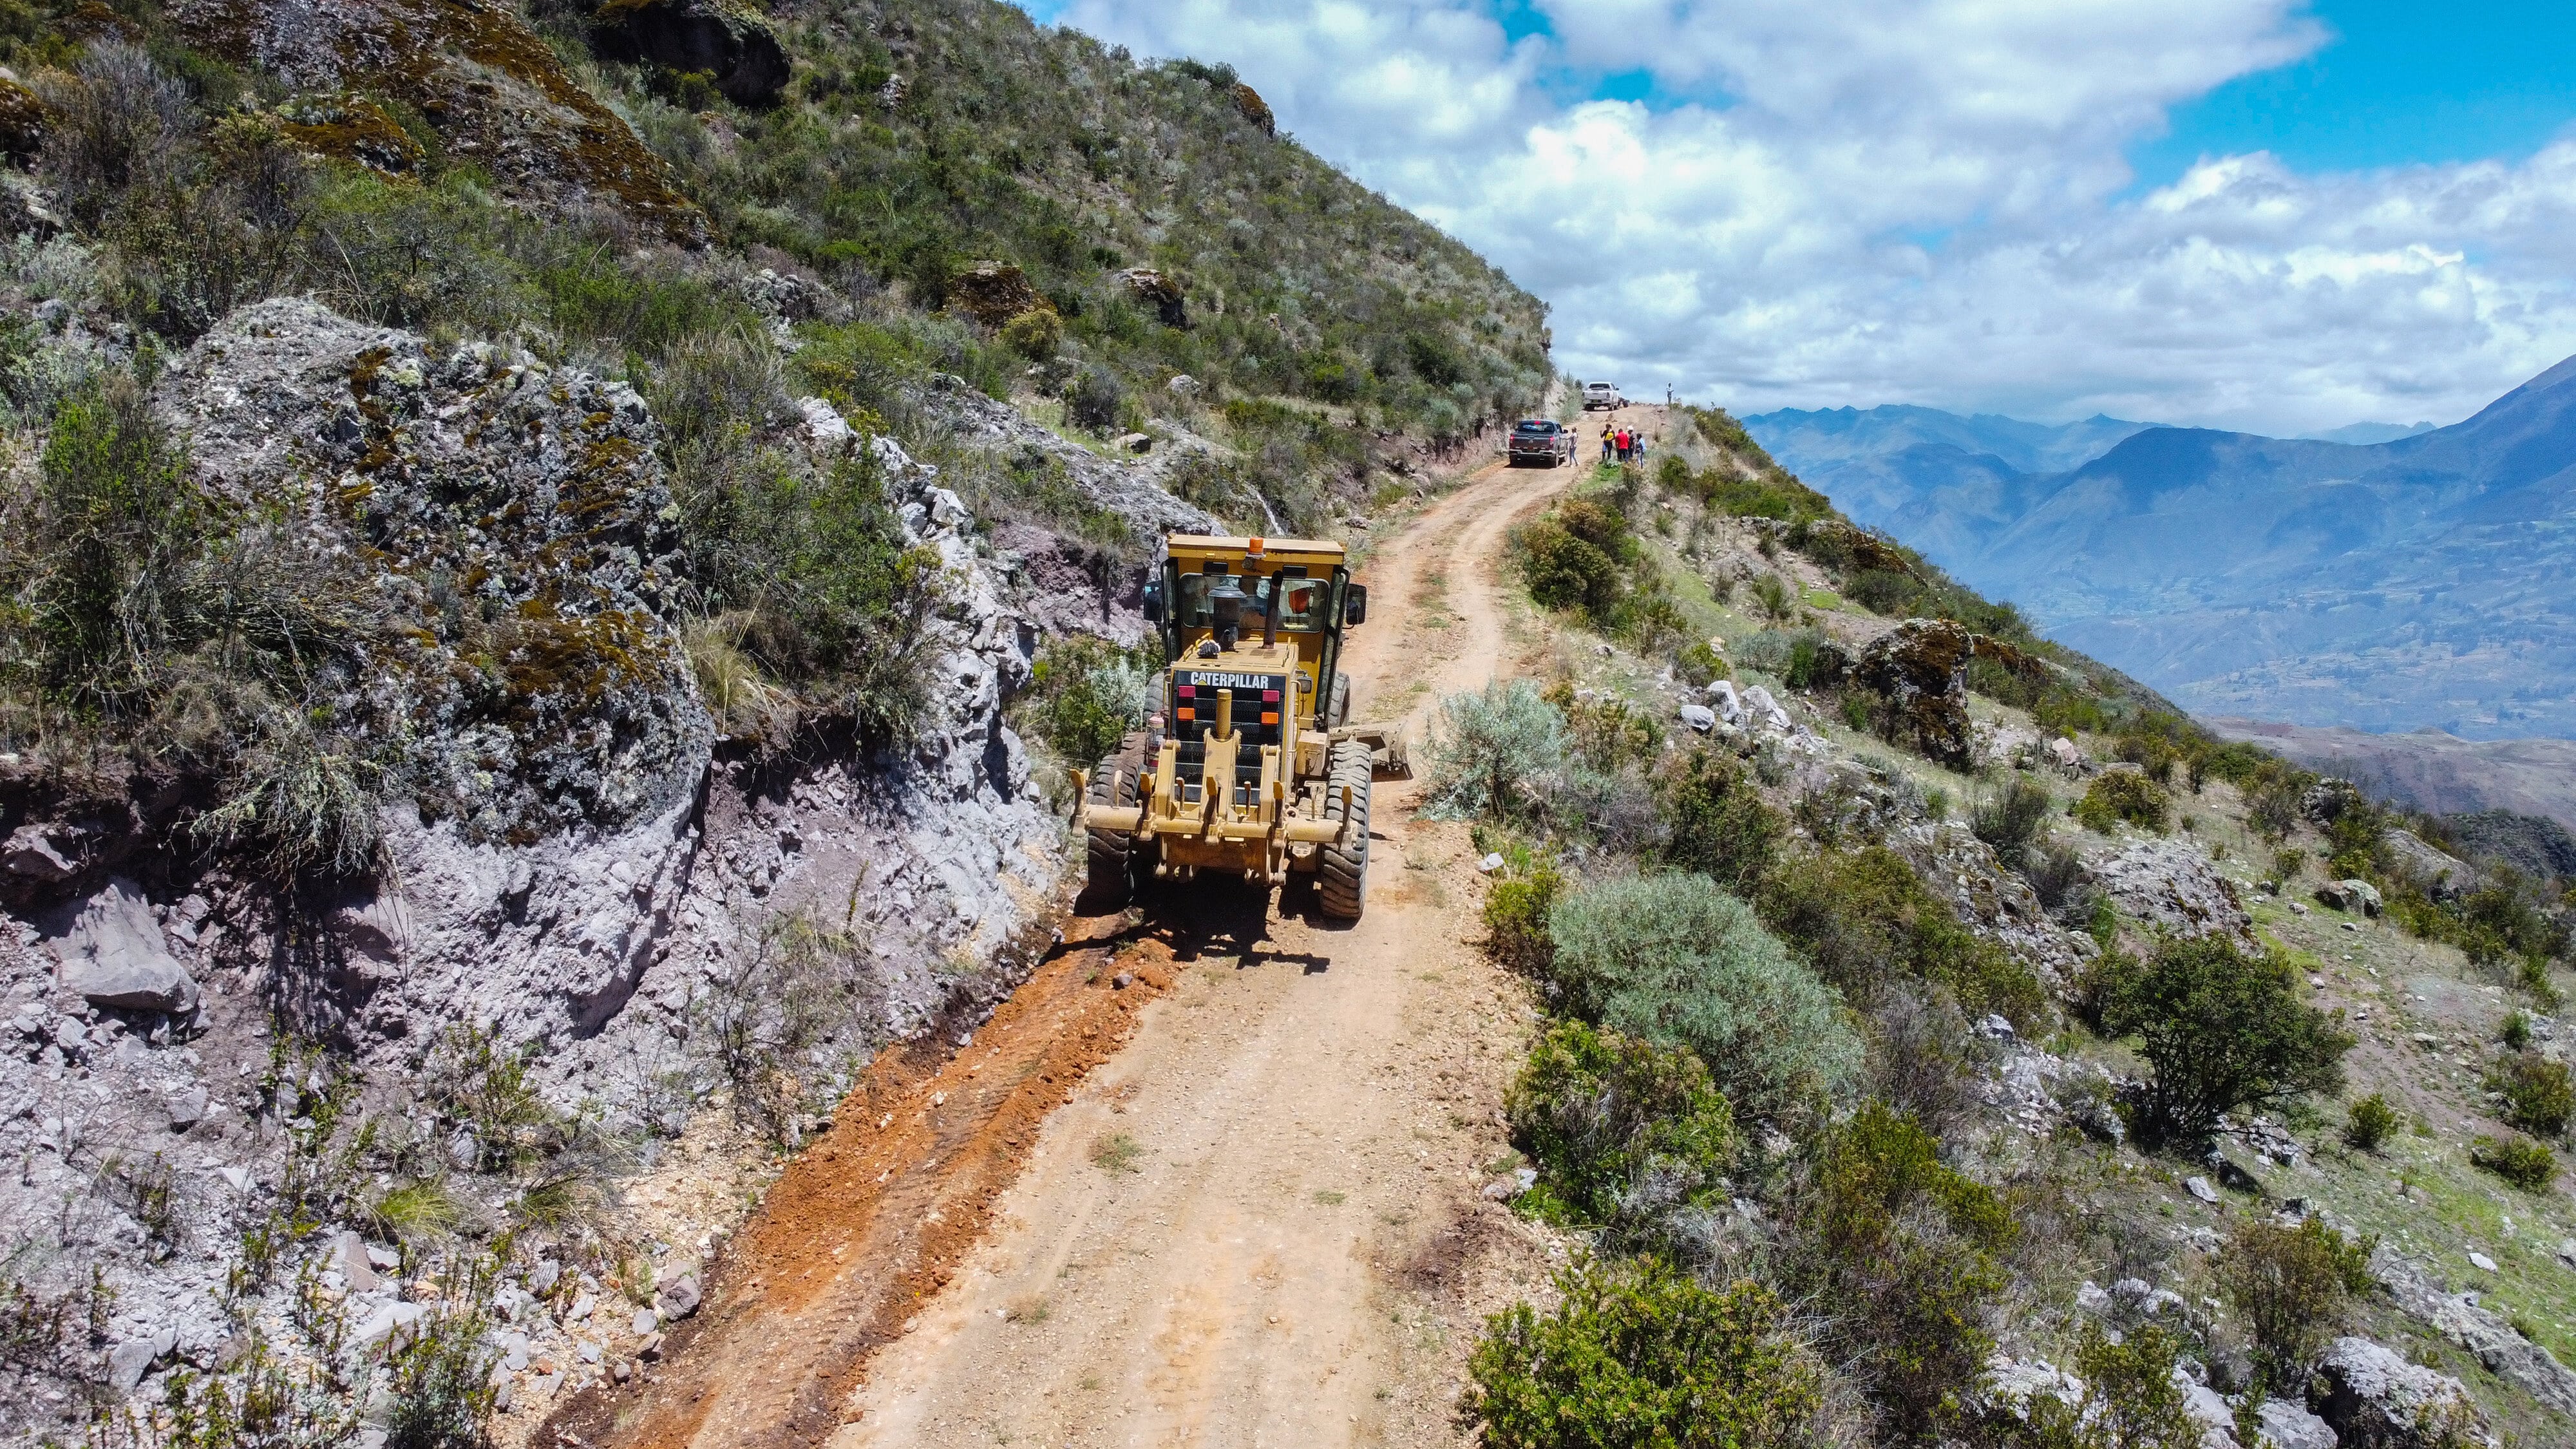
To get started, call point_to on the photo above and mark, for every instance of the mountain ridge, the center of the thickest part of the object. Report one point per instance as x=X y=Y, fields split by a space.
x=2387 y=585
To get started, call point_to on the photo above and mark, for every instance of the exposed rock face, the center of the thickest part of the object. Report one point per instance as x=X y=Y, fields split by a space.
x=2172 y=885
x=2457 y=1317
x=994 y=292
x=495 y=92
x=739 y=50
x=1158 y=291
x=1921 y=669
x=2437 y=873
x=1994 y=902
x=2374 y=1399
x=519 y=518
x=979 y=421
x=1253 y=108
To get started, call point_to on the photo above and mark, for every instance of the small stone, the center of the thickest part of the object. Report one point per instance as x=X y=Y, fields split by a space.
x=543 y=1276
x=349 y=1256
x=238 y=1178
x=2317 y=981
x=581 y=1307
x=650 y=1350
x=1122 y=981
x=2199 y=1187
x=2481 y=1260
x=187 y=1108
x=646 y=1320
x=678 y=1298
x=1699 y=717
x=621 y=1371
x=589 y=1351
x=128 y=1362
x=1491 y=863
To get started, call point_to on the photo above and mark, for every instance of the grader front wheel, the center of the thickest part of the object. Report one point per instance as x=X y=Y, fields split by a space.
x=1341 y=884
x=1112 y=877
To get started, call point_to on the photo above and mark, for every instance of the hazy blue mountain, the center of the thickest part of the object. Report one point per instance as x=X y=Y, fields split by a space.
x=2369 y=432
x=2422 y=581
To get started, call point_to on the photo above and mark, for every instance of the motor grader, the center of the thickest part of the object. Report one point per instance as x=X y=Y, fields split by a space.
x=1257 y=770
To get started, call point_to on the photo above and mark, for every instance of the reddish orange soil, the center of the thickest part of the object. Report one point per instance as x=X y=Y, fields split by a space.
x=872 y=1219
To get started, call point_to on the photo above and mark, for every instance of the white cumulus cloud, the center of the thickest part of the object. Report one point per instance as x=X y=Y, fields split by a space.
x=1916 y=200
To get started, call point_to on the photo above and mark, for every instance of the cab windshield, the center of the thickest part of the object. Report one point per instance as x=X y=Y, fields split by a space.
x=1307 y=607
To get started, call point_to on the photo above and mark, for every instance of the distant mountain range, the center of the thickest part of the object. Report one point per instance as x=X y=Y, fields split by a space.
x=2428 y=580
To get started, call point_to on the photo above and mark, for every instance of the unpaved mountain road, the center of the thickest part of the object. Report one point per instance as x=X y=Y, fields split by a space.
x=1235 y=1203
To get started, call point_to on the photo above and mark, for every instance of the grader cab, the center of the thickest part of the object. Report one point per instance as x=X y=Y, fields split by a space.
x=1256 y=770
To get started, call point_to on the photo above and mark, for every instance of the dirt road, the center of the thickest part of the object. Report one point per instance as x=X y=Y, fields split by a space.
x=1250 y=1224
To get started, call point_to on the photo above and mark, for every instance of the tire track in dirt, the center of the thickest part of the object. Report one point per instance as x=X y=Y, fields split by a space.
x=952 y=1239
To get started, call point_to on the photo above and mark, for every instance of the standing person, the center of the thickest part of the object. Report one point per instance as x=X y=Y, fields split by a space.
x=1606 y=443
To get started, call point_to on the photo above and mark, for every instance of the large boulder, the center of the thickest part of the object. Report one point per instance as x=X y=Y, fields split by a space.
x=2374 y=1399
x=512 y=519
x=1158 y=291
x=2437 y=873
x=1249 y=104
x=2350 y=895
x=737 y=49
x=994 y=292
x=113 y=954
x=2171 y=885
x=1921 y=669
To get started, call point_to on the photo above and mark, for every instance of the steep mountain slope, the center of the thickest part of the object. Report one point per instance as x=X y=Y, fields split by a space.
x=2404 y=583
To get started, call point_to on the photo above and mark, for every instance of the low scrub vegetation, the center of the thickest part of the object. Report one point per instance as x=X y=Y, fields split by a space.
x=1637 y=1352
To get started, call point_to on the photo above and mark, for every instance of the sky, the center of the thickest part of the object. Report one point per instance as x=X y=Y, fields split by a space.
x=2276 y=215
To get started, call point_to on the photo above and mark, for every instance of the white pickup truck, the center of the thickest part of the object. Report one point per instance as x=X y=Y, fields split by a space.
x=1602 y=395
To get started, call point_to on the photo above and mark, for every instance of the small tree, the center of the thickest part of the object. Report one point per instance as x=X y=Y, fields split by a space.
x=2292 y=1287
x=1638 y=1354
x=2372 y=1122
x=2132 y=1400
x=1674 y=959
x=2222 y=1031
x=1516 y=911
x=1492 y=749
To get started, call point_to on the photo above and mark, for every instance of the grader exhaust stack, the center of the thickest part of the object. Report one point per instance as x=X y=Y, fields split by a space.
x=1257 y=770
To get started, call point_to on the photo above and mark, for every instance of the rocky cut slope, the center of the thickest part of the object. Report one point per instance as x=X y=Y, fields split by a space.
x=569 y=880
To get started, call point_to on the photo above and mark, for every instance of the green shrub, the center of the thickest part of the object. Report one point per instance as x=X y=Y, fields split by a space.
x=1564 y=572
x=2538 y=1095
x=2515 y=1033
x=1085 y=695
x=1492 y=751
x=2118 y=795
x=2518 y=1160
x=1772 y=595
x=1672 y=958
x=1901 y=1251
x=1516 y=912
x=1617 y=1124
x=1034 y=334
x=2133 y=1399
x=2287 y=864
x=1862 y=915
x=841 y=605
x=2221 y=1030
x=2291 y=1287
x=1720 y=825
x=2371 y=1123
x=116 y=524
x=1699 y=665
x=1639 y=1356
x=2011 y=819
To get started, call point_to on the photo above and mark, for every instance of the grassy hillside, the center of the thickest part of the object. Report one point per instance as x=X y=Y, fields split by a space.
x=920 y=137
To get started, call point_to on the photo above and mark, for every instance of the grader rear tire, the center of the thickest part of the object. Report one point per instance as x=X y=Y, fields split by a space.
x=1341 y=885
x=1112 y=877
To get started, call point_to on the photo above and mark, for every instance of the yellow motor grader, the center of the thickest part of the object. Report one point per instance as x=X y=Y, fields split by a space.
x=1257 y=769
